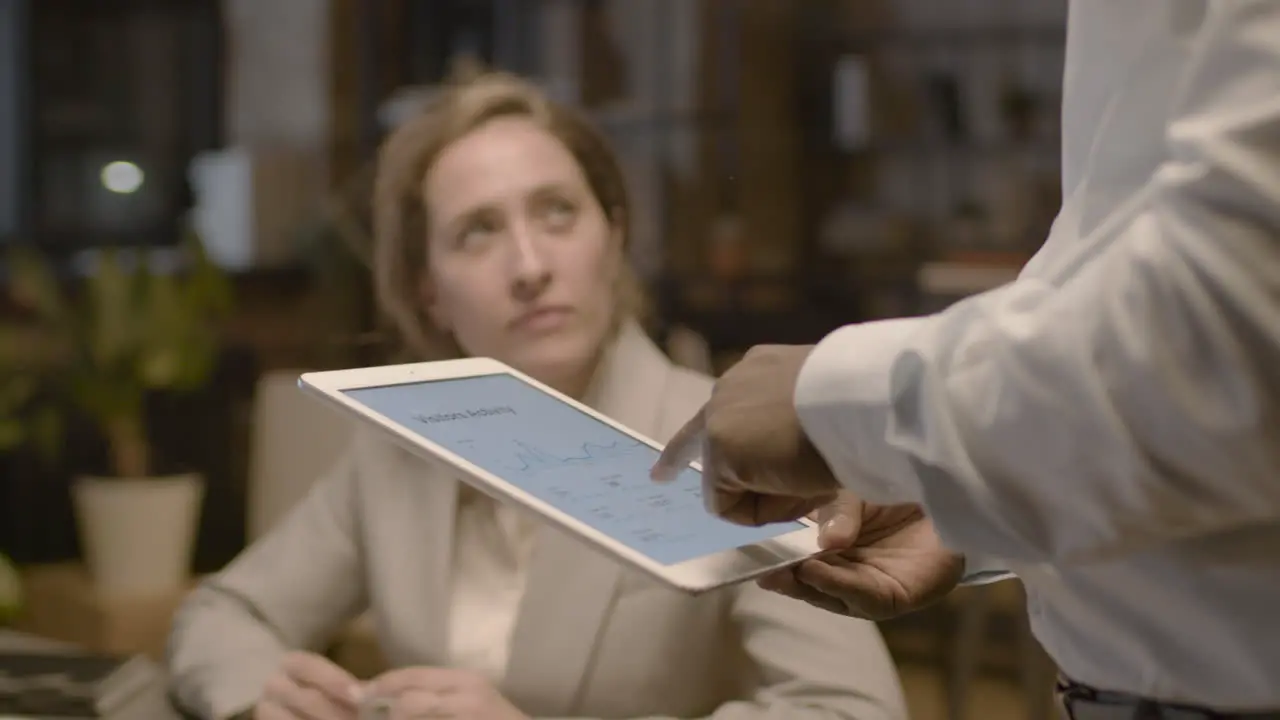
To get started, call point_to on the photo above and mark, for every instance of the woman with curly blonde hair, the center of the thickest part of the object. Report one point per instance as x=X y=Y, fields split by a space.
x=500 y=230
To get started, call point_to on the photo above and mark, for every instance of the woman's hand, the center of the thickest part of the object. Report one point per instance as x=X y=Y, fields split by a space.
x=307 y=686
x=429 y=692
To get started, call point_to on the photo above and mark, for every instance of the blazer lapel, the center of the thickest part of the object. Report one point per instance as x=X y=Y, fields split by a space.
x=429 y=507
x=571 y=587
x=569 y=595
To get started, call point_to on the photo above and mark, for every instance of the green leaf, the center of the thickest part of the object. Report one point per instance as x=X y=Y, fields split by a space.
x=112 y=310
x=22 y=405
x=159 y=367
x=167 y=320
x=12 y=433
x=181 y=344
x=16 y=391
x=199 y=359
x=107 y=397
x=207 y=289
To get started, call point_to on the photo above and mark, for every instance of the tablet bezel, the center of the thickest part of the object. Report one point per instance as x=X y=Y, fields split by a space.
x=693 y=576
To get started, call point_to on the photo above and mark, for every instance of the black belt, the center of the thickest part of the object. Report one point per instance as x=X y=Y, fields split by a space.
x=1081 y=702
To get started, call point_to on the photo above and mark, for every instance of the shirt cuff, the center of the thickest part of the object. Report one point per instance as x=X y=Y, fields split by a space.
x=842 y=400
x=983 y=570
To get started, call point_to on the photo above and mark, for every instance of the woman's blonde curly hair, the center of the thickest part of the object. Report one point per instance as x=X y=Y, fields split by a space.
x=400 y=223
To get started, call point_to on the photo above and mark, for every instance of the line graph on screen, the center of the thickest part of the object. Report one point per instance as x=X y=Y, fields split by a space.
x=530 y=459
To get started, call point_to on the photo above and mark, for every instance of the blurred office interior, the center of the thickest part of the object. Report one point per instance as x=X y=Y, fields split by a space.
x=795 y=166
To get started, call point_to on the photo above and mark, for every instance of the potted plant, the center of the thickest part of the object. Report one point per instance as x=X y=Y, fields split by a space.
x=130 y=330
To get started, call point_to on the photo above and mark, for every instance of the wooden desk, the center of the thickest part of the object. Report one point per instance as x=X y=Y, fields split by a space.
x=61 y=603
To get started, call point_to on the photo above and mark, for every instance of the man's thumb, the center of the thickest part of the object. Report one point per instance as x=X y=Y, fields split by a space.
x=840 y=522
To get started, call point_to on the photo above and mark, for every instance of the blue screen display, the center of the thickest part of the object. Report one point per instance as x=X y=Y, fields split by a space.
x=567 y=459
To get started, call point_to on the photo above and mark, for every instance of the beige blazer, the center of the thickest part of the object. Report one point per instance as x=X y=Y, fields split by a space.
x=593 y=639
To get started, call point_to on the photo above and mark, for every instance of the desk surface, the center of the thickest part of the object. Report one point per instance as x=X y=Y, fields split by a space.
x=151 y=703
x=62 y=603
x=11 y=641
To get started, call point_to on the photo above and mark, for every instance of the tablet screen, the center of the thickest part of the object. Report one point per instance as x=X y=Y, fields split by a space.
x=567 y=459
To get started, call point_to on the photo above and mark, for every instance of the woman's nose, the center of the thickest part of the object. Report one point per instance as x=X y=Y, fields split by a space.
x=532 y=272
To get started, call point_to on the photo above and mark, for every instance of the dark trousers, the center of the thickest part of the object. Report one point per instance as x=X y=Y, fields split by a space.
x=1081 y=702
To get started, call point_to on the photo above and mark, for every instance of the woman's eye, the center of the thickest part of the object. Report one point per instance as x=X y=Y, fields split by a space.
x=476 y=233
x=559 y=214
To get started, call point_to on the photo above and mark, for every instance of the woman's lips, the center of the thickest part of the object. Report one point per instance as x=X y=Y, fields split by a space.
x=542 y=319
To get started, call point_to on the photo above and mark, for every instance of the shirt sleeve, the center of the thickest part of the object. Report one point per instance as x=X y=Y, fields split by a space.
x=1136 y=402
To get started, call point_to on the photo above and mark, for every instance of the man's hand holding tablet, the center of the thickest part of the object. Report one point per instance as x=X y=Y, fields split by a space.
x=758 y=466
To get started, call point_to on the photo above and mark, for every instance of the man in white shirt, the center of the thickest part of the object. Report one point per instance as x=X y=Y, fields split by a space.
x=1108 y=425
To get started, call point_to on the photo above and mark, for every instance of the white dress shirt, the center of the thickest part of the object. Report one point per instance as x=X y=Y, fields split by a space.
x=1109 y=423
x=491 y=562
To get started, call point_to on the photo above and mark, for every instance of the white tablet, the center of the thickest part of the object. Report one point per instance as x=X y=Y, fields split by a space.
x=518 y=440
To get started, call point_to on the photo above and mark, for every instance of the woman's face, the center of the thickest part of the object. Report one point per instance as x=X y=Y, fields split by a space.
x=522 y=259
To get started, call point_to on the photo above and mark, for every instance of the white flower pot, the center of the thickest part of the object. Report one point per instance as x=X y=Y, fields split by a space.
x=138 y=534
